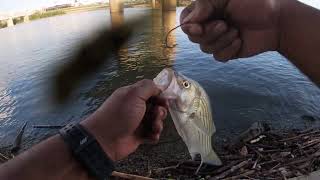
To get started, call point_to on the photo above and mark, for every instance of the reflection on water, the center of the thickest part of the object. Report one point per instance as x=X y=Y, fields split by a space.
x=143 y=58
x=117 y=18
x=263 y=88
x=169 y=22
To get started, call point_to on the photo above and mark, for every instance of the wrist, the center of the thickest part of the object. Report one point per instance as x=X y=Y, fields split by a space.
x=104 y=141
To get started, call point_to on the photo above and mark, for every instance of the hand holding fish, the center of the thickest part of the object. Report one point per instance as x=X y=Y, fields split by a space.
x=117 y=124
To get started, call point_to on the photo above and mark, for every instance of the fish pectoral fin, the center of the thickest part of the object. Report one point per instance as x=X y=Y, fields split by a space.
x=212 y=158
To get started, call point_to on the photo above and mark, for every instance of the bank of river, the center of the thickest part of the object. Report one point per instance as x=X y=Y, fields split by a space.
x=66 y=10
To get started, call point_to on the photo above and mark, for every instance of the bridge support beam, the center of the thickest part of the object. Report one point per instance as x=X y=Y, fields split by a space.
x=26 y=18
x=116 y=6
x=10 y=22
x=169 y=5
x=117 y=19
x=156 y=4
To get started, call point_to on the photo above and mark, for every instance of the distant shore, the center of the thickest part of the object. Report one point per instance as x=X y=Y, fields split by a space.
x=73 y=9
x=66 y=10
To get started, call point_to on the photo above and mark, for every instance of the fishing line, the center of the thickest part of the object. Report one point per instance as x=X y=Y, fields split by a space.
x=166 y=40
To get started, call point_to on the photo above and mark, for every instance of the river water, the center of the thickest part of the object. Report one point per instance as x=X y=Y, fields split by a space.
x=264 y=88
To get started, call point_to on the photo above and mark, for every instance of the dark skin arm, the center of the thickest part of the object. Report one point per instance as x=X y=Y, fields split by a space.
x=116 y=126
x=231 y=29
x=300 y=38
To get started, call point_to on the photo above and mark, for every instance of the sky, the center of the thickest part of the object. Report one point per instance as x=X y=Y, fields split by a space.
x=7 y=6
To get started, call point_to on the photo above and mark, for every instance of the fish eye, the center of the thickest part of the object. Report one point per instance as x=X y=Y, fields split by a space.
x=186 y=84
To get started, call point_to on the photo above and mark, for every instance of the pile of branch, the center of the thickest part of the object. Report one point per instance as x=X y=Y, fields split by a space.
x=266 y=155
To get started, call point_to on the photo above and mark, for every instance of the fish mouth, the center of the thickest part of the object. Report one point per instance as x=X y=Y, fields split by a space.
x=164 y=78
x=168 y=81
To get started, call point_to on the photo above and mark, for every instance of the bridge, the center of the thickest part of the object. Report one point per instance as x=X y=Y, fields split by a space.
x=165 y=5
x=8 y=18
x=115 y=6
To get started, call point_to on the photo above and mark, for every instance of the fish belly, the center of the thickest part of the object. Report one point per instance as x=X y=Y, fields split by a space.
x=196 y=141
x=200 y=143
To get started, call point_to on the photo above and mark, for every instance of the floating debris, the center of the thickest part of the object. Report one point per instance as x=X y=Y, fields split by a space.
x=48 y=126
x=17 y=142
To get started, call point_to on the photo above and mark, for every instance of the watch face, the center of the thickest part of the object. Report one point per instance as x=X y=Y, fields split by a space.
x=87 y=151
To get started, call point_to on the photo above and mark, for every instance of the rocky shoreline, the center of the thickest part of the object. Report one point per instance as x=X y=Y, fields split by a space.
x=256 y=153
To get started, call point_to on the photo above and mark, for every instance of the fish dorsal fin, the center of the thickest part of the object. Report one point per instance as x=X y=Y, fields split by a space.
x=202 y=117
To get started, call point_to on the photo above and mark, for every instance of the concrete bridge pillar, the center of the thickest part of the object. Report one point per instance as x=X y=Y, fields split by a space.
x=117 y=19
x=156 y=4
x=26 y=18
x=169 y=5
x=116 y=6
x=10 y=22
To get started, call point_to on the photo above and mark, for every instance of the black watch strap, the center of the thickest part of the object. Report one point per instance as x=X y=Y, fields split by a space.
x=87 y=151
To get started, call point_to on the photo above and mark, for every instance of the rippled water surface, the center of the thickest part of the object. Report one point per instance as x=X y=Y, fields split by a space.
x=263 y=88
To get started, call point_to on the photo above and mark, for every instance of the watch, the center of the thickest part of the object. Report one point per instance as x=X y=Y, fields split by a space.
x=87 y=151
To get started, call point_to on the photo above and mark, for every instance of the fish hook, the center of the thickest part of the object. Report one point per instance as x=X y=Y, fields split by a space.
x=166 y=40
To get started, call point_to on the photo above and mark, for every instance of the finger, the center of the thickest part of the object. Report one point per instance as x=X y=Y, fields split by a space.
x=161 y=114
x=186 y=11
x=200 y=13
x=160 y=101
x=192 y=29
x=211 y=31
x=158 y=124
x=222 y=42
x=229 y=52
x=146 y=88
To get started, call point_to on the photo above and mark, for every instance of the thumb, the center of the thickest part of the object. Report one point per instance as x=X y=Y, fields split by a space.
x=200 y=11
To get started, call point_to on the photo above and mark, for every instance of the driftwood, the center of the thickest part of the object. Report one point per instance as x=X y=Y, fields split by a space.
x=272 y=155
x=129 y=176
x=17 y=142
x=3 y=158
x=48 y=126
x=265 y=155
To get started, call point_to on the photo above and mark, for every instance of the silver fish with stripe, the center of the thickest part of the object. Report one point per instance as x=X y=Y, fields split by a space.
x=190 y=110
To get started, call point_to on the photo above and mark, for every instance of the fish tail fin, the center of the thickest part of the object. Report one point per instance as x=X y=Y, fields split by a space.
x=212 y=158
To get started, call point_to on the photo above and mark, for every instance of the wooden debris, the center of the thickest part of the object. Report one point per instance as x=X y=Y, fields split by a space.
x=244 y=151
x=48 y=126
x=278 y=155
x=275 y=155
x=129 y=176
x=3 y=158
x=255 y=130
x=18 y=140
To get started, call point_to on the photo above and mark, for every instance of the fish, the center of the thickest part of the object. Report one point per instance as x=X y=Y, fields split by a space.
x=190 y=109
